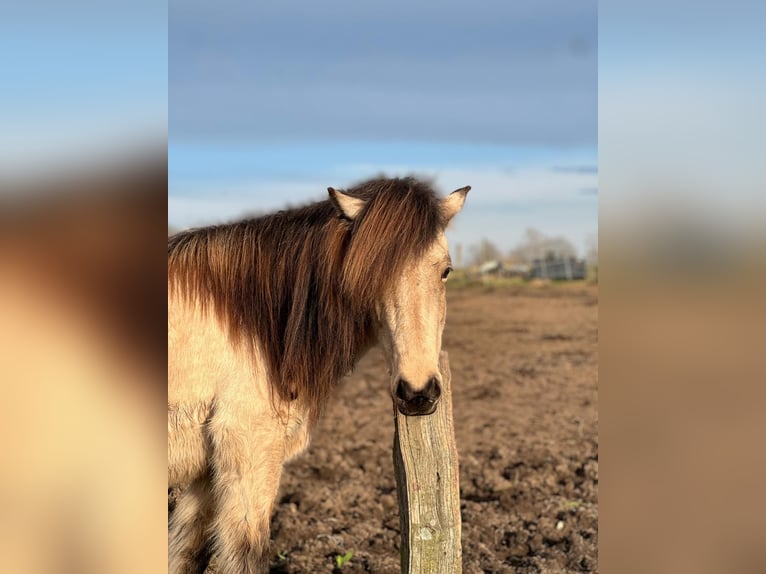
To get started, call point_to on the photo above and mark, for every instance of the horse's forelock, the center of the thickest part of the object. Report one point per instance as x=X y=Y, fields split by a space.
x=401 y=220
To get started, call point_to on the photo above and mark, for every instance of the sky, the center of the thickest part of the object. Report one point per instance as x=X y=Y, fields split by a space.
x=681 y=122
x=269 y=103
x=77 y=86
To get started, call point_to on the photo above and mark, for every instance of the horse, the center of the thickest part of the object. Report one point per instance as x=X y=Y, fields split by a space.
x=265 y=316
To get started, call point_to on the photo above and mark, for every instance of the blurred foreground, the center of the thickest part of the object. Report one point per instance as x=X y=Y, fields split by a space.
x=82 y=349
x=682 y=399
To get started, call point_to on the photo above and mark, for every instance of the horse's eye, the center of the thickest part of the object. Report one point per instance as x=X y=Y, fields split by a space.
x=446 y=273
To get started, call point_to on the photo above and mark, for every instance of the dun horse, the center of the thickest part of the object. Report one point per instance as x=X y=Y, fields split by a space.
x=264 y=318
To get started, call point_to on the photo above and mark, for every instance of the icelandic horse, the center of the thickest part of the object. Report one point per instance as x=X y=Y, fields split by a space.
x=265 y=316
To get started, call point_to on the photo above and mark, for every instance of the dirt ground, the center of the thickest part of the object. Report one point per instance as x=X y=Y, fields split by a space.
x=525 y=385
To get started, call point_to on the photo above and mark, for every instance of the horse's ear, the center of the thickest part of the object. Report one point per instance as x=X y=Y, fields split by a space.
x=347 y=206
x=453 y=203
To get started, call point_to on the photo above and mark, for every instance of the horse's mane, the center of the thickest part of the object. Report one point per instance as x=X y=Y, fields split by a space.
x=302 y=283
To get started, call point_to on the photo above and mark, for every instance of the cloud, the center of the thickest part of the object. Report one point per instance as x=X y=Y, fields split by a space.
x=502 y=204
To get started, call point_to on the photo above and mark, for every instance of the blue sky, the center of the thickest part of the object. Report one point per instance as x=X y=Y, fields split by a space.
x=271 y=102
x=77 y=83
x=682 y=89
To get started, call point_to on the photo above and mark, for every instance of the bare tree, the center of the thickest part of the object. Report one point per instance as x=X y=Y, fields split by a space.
x=591 y=255
x=536 y=245
x=458 y=256
x=485 y=251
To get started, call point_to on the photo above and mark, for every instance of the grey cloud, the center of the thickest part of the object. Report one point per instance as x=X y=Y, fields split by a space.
x=497 y=72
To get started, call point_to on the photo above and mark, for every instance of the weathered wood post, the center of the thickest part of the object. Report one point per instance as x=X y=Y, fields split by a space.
x=427 y=483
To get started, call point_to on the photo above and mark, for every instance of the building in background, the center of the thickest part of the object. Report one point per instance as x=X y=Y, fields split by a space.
x=561 y=268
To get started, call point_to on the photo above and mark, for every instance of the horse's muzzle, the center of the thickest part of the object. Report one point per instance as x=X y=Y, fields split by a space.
x=414 y=403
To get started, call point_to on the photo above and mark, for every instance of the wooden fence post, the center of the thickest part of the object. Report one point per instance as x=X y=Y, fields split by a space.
x=426 y=468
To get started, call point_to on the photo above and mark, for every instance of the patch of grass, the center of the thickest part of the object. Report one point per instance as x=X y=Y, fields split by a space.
x=592 y=273
x=462 y=280
x=282 y=555
x=573 y=504
x=341 y=560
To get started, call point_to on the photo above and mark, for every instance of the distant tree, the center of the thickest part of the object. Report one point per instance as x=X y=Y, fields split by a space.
x=536 y=245
x=591 y=254
x=485 y=251
x=458 y=256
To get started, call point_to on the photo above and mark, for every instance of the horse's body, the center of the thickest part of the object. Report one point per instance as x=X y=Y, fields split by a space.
x=264 y=317
x=220 y=416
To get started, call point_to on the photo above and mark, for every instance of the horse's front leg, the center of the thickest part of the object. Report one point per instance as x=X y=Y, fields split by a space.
x=247 y=464
x=188 y=550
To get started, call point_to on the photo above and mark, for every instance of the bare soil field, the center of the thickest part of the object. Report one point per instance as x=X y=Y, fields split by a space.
x=524 y=364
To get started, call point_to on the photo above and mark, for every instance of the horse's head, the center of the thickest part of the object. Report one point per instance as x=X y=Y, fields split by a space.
x=412 y=311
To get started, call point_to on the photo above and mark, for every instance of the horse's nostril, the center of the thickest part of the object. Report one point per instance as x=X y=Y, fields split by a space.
x=404 y=390
x=433 y=389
